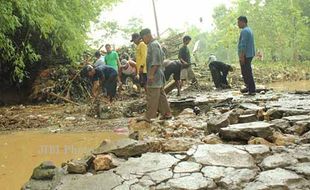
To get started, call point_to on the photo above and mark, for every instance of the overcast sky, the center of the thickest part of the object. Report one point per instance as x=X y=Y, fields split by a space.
x=170 y=13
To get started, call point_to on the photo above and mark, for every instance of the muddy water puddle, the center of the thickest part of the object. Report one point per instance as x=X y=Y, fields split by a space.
x=290 y=86
x=21 y=152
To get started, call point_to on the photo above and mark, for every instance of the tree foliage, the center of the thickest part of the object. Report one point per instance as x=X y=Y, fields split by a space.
x=134 y=25
x=111 y=29
x=33 y=29
x=281 y=29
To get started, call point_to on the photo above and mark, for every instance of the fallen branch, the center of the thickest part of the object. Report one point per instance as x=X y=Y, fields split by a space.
x=70 y=83
x=62 y=98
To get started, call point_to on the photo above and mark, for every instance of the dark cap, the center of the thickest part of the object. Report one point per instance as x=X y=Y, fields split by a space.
x=145 y=31
x=135 y=36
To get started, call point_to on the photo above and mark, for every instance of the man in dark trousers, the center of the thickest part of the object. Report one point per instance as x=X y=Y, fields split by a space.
x=219 y=72
x=173 y=67
x=246 y=52
x=103 y=75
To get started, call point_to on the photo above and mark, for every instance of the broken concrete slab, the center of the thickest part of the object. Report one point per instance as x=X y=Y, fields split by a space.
x=258 y=152
x=221 y=121
x=147 y=163
x=223 y=155
x=245 y=131
x=247 y=118
x=161 y=175
x=280 y=124
x=73 y=182
x=296 y=118
x=301 y=168
x=278 y=178
x=123 y=148
x=278 y=161
x=237 y=178
x=301 y=153
x=305 y=138
x=251 y=106
x=195 y=181
x=187 y=167
x=299 y=128
x=229 y=178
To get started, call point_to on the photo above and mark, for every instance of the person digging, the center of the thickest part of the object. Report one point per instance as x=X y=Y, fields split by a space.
x=104 y=76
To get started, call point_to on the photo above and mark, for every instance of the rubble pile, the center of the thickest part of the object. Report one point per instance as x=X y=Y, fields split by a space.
x=61 y=83
x=171 y=45
x=236 y=142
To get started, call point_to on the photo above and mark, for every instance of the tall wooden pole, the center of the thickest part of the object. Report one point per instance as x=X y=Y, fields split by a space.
x=156 y=22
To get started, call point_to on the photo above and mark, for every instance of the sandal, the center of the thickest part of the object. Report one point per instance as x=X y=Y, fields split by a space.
x=143 y=119
x=166 y=117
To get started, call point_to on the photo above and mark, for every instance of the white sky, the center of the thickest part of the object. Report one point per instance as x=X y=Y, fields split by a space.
x=175 y=14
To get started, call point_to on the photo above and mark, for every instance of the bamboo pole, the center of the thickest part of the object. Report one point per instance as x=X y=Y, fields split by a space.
x=62 y=98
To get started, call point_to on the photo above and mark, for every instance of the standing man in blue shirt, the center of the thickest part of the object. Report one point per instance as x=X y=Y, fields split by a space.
x=246 y=52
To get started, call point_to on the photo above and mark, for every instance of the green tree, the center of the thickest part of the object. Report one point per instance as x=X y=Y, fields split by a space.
x=40 y=29
x=109 y=29
x=134 y=25
x=281 y=29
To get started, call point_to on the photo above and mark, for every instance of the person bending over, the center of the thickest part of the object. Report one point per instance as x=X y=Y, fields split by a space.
x=104 y=76
x=127 y=69
x=219 y=72
x=173 y=67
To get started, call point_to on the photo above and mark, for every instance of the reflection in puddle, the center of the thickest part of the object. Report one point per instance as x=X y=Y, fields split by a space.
x=21 y=152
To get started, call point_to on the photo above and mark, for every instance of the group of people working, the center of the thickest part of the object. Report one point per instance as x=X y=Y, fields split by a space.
x=150 y=71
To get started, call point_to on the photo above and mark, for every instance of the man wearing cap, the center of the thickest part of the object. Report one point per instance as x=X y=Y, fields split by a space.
x=141 y=51
x=100 y=59
x=111 y=58
x=246 y=52
x=103 y=75
x=155 y=94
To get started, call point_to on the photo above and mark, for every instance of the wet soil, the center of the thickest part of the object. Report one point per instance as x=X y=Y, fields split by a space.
x=291 y=86
x=55 y=117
